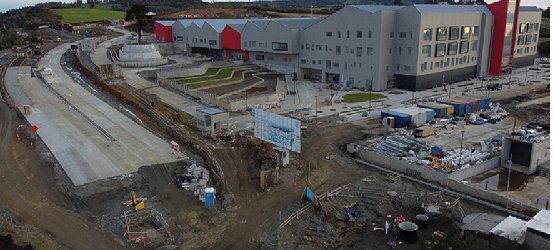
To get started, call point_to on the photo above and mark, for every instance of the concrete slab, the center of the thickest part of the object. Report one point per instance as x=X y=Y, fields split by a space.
x=13 y=86
x=86 y=154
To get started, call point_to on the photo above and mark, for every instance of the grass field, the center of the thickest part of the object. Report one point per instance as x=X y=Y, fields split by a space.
x=88 y=15
x=99 y=6
x=362 y=97
x=222 y=74
x=211 y=83
x=208 y=72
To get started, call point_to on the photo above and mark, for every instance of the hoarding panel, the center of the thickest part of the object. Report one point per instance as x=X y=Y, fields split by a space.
x=279 y=130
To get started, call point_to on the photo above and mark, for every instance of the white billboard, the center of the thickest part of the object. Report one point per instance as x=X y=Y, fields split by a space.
x=279 y=130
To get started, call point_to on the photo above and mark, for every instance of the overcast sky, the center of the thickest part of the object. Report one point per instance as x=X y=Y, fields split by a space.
x=6 y=5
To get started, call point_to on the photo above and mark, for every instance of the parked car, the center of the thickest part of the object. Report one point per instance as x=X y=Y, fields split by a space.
x=543 y=59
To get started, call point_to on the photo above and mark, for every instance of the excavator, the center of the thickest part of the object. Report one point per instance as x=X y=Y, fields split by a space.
x=134 y=202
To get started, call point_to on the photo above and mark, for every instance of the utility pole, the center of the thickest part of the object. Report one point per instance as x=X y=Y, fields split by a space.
x=371 y=96
x=316 y=110
x=461 y=153
x=450 y=89
x=508 y=179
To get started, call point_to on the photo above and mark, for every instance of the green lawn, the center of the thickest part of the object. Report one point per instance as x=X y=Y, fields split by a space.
x=88 y=15
x=362 y=97
x=100 y=6
x=208 y=72
x=211 y=83
x=222 y=74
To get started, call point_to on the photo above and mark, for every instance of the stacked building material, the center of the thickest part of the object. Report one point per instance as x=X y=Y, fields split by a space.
x=194 y=179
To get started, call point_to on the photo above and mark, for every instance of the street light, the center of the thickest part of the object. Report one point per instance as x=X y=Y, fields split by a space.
x=461 y=153
x=316 y=110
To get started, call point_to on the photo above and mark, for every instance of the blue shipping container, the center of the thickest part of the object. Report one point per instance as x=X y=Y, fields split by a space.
x=439 y=111
x=435 y=151
x=400 y=119
x=429 y=115
x=484 y=103
x=459 y=108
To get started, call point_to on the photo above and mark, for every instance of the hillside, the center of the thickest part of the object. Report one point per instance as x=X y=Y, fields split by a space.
x=88 y=15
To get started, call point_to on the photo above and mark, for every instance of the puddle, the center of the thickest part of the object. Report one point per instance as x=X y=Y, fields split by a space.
x=497 y=180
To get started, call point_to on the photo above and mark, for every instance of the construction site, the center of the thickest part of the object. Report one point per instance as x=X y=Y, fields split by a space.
x=214 y=154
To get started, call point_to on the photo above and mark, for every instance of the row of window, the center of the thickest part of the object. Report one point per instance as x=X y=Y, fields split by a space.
x=442 y=33
x=527 y=50
x=358 y=34
x=450 y=48
x=275 y=46
x=272 y=58
x=528 y=27
x=527 y=39
x=446 y=63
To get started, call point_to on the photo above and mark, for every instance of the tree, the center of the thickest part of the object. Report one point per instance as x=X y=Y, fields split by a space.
x=138 y=12
x=545 y=13
x=398 y=2
x=92 y=4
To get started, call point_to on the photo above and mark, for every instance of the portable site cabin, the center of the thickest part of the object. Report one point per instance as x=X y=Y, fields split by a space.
x=483 y=102
x=430 y=114
x=400 y=119
x=418 y=117
x=458 y=108
x=439 y=111
x=449 y=109
x=473 y=103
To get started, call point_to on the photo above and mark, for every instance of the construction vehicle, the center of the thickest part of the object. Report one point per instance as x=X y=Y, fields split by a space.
x=58 y=39
x=37 y=50
x=137 y=203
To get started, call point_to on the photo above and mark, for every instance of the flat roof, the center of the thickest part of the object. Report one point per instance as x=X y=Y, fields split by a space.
x=212 y=111
x=529 y=8
x=511 y=228
x=377 y=8
x=166 y=23
x=446 y=8
x=540 y=222
x=482 y=222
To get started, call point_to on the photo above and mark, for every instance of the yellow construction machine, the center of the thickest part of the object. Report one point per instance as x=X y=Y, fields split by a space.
x=137 y=203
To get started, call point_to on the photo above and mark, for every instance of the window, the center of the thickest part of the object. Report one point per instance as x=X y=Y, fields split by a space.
x=475 y=30
x=440 y=49
x=453 y=47
x=465 y=32
x=320 y=62
x=520 y=40
x=307 y=46
x=390 y=51
x=370 y=34
x=474 y=45
x=453 y=33
x=528 y=39
x=359 y=34
x=175 y=38
x=410 y=35
x=270 y=58
x=408 y=50
x=427 y=34
x=522 y=28
x=527 y=27
x=259 y=57
x=347 y=34
x=464 y=47
x=360 y=65
x=313 y=62
x=399 y=50
x=312 y=47
x=354 y=64
x=406 y=68
x=437 y=65
x=262 y=45
x=303 y=61
x=179 y=38
x=212 y=42
x=422 y=67
x=250 y=44
x=359 y=51
x=369 y=51
x=426 y=51
x=336 y=65
x=530 y=27
x=441 y=34
x=302 y=46
x=535 y=39
x=347 y=49
x=402 y=34
x=536 y=26
x=351 y=51
x=245 y=44
x=328 y=64
x=338 y=50
x=452 y=62
x=329 y=34
x=457 y=61
x=319 y=47
x=392 y=34
x=397 y=67
x=253 y=44
x=387 y=67
x=326 y=47
x=431 y=66
x=441 y=63
x=339 y=34
x=280 y=46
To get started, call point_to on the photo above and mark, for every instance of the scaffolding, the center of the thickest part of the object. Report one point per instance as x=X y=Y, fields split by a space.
x=145 y=226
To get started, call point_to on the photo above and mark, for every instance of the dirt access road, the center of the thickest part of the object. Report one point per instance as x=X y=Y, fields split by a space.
x=27 y=193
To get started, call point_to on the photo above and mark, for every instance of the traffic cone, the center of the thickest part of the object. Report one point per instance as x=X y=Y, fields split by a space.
x=446 y=186
x=18 y=137
x=31 y=144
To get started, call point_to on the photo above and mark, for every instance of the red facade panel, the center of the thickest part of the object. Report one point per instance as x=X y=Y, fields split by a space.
x=499 y=10
x=230 y=38
x=164 y=31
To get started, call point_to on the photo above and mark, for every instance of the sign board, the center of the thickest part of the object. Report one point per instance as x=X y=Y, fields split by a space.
x=279 y=130
x=35 y=128
x=309 y=193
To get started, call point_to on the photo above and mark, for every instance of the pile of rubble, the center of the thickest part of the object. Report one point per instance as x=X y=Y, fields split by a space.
x=194 y=178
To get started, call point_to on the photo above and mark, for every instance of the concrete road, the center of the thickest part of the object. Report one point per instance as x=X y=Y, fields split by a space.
x=86 y=154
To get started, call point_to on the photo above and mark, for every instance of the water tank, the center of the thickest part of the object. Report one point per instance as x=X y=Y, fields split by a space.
x=422 y=221
x=408 y=231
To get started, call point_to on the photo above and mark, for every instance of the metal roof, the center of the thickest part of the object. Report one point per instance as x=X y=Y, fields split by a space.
x=540 y=222
x=297 y=23
x=261 y=24
x=529 y=8
x=166 y=23
x=511 y=228
x=445 y=8
x=237 y=27
x=185 y=22
x=377 y=8
x=212 y=111
x=482 y=222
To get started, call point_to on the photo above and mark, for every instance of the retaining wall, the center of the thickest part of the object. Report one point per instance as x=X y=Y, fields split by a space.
x=476 y=169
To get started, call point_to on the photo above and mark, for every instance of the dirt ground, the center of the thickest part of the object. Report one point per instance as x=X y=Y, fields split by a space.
x=218 y=12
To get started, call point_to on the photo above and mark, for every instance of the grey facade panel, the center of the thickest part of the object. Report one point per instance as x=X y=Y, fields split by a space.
x=523 y=61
